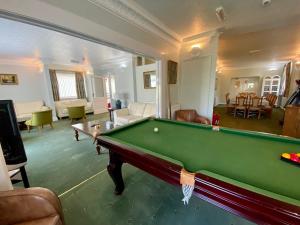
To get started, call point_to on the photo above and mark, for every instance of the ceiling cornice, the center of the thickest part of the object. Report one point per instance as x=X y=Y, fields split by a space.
x=134 y=14
x=207 y=34
x=31 y=62
x=259 y=66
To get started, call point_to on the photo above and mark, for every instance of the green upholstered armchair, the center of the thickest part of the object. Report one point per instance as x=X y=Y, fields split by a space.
x=76 y=112
x=39 y=119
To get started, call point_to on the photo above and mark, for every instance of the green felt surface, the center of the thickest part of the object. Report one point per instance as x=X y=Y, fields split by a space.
x=242 y=156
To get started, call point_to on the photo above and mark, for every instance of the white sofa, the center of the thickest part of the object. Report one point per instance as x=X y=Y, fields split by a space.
x=61 y=107
x=24 y=110
x=134 y=112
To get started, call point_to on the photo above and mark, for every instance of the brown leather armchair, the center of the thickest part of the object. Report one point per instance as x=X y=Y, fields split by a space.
x=190 y=115
x=31 y=206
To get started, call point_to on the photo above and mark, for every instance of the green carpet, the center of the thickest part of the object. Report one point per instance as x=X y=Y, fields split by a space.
x=146 y=200
x=58 y=162
x=268 y=125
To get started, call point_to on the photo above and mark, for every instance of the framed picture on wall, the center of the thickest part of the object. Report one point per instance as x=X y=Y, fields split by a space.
x=9 y=79
x=149 y=79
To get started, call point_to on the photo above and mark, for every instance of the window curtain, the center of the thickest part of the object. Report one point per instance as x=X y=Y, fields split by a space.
x=283 y=82
x=287 y=80
x=80 y=85
x=54 y=85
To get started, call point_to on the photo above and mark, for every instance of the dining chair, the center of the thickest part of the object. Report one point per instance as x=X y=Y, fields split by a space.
x=255 y=106
x=241 y=105
x=243 y=94
x=267 y=109
x=229 y=107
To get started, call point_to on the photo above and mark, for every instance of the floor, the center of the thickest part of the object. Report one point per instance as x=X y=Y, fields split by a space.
x=268 y=125
x=78 y=175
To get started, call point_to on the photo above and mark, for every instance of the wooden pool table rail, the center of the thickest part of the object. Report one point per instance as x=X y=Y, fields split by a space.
x=239 y=201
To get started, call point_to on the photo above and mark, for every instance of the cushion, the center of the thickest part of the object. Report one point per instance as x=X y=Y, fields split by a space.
x=136 y=109
x=78 y=102
x=150 y=110
x=65 y=111
x=89 y=106
x=128 y=119
x=24 y=117
x=44 y=108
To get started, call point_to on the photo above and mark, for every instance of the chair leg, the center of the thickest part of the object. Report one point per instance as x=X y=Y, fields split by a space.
x=40 y=130
x=244 y=114
x=51 y=125
x=28 y=128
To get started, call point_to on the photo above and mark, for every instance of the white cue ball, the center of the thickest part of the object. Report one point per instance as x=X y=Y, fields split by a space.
x=155 y=130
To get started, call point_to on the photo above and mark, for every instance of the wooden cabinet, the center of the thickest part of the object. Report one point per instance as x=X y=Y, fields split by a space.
x=291 y=126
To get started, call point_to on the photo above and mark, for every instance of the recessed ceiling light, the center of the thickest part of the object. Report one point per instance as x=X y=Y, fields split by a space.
x=254 y=51
x=196 y=46
x=273 y=69
x=123 y=65
x=266 y=2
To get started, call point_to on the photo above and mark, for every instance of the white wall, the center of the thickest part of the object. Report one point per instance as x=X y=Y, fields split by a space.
x=197 y=75
x=31 y=85
x=224 y=79
x=5 y=183
x=145 y=95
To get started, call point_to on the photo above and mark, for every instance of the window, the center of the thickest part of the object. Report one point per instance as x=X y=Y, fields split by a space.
x=66 y=85
x=271 y=85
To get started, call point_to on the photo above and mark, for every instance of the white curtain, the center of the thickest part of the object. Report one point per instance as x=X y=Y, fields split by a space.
x=283 y=82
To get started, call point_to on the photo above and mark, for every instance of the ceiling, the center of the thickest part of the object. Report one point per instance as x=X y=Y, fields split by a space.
x=270 y=33
x=27 y=42
x=268 y=48
x=191 y=17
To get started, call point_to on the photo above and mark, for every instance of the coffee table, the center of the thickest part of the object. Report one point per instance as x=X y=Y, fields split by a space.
x=88 y=128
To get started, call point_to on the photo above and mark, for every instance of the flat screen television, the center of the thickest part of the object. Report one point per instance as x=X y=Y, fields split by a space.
x=10 y=137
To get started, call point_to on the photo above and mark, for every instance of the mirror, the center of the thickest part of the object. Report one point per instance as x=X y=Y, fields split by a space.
x=150 y=79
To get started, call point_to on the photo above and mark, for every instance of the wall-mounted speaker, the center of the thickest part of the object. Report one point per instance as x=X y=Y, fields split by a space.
x=172 y=72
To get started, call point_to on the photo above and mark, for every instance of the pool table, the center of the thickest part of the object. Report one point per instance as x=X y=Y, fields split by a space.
x=239 y=171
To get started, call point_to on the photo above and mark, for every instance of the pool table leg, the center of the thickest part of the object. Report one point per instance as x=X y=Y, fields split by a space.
x=114 y=169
